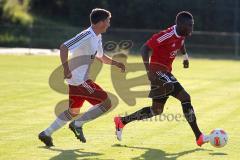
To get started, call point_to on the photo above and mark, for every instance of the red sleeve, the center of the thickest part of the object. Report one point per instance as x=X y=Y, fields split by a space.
x=153 y=41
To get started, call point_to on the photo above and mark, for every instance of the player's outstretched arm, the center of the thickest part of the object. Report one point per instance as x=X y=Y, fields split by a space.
x=64 y=60
x=108 y=60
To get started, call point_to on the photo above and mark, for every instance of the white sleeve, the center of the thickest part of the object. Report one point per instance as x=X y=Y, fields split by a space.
x=100 y=50
x=76 y=41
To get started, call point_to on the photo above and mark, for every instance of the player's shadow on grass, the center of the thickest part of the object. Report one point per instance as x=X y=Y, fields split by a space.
x=74 y=154
x=218 y=154
x=158 y=154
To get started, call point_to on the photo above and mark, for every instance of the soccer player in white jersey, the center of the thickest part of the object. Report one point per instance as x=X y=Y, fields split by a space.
x=84 y=47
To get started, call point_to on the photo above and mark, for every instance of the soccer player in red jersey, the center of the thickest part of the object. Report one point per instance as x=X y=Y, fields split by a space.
x=164 y=47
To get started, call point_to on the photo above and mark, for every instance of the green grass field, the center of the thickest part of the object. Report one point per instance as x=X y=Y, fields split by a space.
x=27 y=107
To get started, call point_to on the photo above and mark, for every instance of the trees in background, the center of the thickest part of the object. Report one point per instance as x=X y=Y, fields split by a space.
x=16 y=11
x=210 y=15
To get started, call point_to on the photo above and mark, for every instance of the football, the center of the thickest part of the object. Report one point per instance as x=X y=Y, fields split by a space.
x=218 y=138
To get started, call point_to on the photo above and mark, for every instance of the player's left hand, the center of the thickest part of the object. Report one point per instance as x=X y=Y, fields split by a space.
x=121 y=66
x=186 y=63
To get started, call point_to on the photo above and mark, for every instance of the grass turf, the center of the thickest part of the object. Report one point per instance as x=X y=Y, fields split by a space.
x=28 y=104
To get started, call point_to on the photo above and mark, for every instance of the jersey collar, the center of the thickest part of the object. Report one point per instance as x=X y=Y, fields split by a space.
x=94 y=34
x=175 y=32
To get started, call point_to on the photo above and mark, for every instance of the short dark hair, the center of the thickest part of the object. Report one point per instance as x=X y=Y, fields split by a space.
x=99 y=14
x=183 y=16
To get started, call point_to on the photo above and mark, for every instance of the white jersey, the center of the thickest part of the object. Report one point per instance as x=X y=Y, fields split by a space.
x=83 y=49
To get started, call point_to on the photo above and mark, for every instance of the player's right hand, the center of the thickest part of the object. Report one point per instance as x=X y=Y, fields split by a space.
x=185 y=63
x=67 y=74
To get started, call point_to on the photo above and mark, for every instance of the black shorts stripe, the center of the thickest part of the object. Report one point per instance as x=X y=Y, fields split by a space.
x=77 y=39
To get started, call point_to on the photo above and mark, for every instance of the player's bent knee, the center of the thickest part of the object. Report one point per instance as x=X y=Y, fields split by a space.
x=74 y=111
x=157 y=108
x=157 y=111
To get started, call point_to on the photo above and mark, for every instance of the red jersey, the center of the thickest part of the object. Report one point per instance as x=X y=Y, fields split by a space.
x=165 y=46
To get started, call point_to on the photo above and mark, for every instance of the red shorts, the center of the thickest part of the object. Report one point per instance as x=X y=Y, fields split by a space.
x=88 y=91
